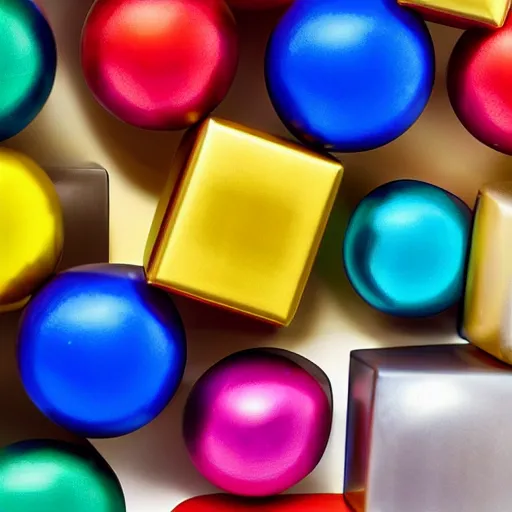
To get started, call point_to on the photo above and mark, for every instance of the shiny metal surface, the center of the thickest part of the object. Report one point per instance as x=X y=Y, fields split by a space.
x=480 y=85
x=160 y=64
x=242 y=226
x=486 y=320
x=28 y=62
x=294 y=503
x=100 y=352
x=428 y=429
x=258 y=421
x=462 y=13
x=31 y=228
x=405 y=248
x=46 y=476
x=84 y=195
x=349 y=75
x=331 y=320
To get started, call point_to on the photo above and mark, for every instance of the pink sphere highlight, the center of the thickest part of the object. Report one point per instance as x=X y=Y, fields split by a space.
x=257 y=422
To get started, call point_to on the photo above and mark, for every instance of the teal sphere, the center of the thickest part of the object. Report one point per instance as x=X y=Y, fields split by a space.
x=405 y=248
x=28 y=64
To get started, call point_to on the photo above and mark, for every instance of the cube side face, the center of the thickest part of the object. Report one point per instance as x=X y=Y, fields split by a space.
x=84 y=194
x=487 y=300
x=462 y=13
x=440 y=439
x=247 y=223
x=359 y=419
x=166 y=209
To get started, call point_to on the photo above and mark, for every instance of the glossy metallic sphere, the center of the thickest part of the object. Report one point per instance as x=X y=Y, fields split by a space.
x=100 y=351
x=285 y=503
x=160 y=64
x=405 y=248
x=349 y=75
x=257 y=423
x=28 y=63
x=31 y=228
x=480 y=85
x=51 y=475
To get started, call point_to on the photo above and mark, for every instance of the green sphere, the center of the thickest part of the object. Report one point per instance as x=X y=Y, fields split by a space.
x=49 y=476
x=28 y=63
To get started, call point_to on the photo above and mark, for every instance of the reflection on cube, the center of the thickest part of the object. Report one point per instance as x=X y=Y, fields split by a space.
x=428 y=429
x=242 y=226
x=462 y=13
x=487 y=320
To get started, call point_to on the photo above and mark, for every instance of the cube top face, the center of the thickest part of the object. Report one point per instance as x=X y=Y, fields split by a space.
x=244 y=223
x=490 y=13
x=425 y=437
x=487 y=301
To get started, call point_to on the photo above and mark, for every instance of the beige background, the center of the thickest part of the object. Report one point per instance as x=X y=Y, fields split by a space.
x=332 y=320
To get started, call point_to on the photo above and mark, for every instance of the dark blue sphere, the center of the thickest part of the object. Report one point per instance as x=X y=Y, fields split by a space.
x=349 y=75
x=405 y=248
x=100 y=351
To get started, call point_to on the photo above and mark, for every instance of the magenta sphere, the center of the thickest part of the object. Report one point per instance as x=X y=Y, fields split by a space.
x=257 y=423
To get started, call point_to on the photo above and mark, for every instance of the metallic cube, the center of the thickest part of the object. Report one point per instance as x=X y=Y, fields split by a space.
x=242 y=226
x=487 y=318
x=428 y=430
x=462 y=13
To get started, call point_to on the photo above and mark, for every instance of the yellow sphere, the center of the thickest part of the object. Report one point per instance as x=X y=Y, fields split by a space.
x=31 y=228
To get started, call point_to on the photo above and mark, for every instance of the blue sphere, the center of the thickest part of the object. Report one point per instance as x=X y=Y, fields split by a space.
x=100 y=351
x=405 y=248
x=349 y=75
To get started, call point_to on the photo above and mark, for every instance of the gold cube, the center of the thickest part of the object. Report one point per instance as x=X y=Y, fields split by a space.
x=487 y=303
x=241 y=227
x=462 y=13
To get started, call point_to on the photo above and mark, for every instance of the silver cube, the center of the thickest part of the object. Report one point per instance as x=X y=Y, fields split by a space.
x=429 y=429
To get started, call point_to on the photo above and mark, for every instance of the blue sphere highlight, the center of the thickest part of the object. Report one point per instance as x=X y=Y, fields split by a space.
x=100 y=351
x=405 y=248
x=349 y=75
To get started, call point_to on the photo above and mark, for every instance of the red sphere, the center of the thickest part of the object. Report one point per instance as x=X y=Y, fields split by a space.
x=160 y=64
x=480 y=85
x=258 y=4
